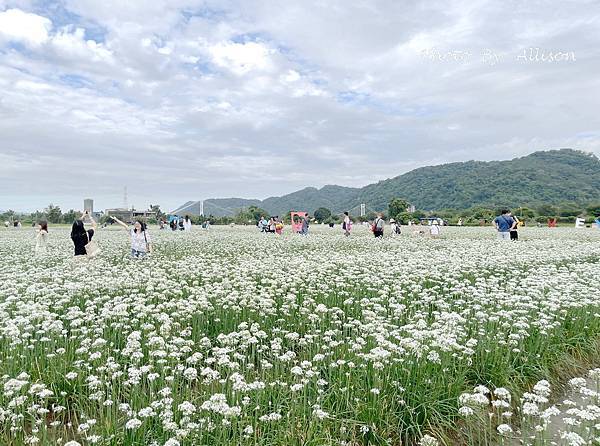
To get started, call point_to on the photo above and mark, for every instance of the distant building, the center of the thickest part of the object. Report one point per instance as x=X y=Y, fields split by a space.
x=129 y=215
x=88 y=206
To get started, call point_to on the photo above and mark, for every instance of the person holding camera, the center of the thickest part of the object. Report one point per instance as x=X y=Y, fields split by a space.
x=82 y=238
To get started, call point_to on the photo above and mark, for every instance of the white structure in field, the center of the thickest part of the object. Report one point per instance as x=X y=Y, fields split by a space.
x=580 y=222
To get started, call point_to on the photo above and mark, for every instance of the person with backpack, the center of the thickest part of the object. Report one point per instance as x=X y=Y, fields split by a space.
x=504 y=224
x=378 y=225
x=140 y=238
x=347 y=224
x=395 y=227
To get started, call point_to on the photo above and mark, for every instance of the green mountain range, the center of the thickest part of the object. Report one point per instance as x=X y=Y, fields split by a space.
x=545 y=177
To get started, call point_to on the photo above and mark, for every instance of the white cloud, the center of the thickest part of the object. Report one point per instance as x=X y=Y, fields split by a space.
x=20 y=26
x=242 y=58
x=71 y=44
x=305 y=93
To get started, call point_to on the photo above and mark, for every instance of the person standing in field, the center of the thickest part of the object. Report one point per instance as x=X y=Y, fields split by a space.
x=80 y=236
x=140 y=239
x=378 y=225
x=41 y=238
x=305 y=223
x=504 y=223
x=514 y=231
x=347 y=224
x=395 y=227
x=187 y=224
x=434 y=229
x=278 y=225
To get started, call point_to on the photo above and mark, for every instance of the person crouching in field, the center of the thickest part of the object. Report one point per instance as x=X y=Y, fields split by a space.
x=140 y=239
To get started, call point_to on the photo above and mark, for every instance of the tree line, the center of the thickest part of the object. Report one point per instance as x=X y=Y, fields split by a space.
x=398 y=208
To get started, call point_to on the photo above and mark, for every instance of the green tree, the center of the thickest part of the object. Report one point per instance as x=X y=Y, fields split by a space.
x=156 y=208
x=570 y=211
x=322 y=214
x=547 y=210
x=593 y=210
x=53 y=213
x=524 y=212
x=70 y=216
x=397 y=206
x=36 y=216
x=250 y=215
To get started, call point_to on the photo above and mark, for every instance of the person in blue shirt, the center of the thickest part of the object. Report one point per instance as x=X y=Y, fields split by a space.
x=504 y=223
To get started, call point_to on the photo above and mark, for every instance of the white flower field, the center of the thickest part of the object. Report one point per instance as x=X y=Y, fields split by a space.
x=232 y=337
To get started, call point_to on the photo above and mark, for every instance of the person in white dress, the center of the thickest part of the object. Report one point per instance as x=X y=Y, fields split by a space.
x=41 y=238
x=187 y=224
x=434 y=228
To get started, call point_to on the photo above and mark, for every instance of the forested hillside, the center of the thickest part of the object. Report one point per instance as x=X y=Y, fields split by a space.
x=546 y=177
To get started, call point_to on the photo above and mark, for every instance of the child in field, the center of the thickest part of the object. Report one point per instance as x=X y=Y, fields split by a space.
x=278 y=226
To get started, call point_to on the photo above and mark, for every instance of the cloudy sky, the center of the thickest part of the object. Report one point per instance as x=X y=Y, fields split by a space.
x=191 y=99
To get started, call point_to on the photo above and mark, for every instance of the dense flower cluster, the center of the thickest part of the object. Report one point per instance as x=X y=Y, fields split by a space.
x=572 y=421
x=234 y=337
